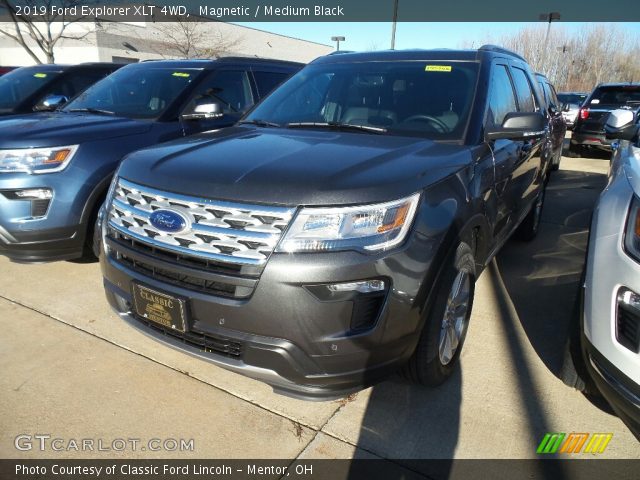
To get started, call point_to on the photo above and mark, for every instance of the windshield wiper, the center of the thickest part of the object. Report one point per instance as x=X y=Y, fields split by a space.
x=97 y=111
x=260 y=123
x=337 y=126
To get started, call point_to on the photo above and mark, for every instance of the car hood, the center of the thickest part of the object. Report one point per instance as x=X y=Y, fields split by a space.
x=58 y=128
x=295 y=167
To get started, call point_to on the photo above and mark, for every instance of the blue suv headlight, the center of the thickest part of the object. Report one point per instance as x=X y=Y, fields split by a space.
x=36 y=160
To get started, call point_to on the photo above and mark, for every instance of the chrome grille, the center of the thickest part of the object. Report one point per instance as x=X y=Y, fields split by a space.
x=219 y=231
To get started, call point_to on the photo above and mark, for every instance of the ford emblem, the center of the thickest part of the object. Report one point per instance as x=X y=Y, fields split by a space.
x=169 y=221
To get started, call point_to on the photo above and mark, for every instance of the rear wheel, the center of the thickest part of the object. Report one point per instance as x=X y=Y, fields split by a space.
x=576 y=151
x=445 y=327
x=555 y=163
x=529 y=227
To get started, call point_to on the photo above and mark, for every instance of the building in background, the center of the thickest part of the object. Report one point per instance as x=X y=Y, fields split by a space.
x=132 y=42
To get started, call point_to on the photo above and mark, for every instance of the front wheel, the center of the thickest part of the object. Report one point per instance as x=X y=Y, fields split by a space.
x=445 y=326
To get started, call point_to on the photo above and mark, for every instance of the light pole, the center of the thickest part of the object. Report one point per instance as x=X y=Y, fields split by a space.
x=564 y=49
x=393 y=25
x=338 y=40
x=549 y=17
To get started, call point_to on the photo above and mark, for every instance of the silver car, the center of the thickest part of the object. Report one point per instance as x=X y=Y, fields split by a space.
x=611 y=302
x=571 y=102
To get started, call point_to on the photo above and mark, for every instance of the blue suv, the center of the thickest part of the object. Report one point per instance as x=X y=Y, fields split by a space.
x=55 y=167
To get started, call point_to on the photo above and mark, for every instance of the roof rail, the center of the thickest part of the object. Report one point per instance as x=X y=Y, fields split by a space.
x=340 y=52
x=496 y=48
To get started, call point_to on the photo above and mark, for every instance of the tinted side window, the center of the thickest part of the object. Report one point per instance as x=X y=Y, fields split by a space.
x=501 y=97
x=267 y=81
x=552 y=95
x=72 y=84
x=230 y=88
x=526 y=99
x=545 y=92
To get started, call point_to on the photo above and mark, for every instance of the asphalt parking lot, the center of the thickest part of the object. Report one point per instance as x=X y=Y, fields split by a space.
x=73 y=370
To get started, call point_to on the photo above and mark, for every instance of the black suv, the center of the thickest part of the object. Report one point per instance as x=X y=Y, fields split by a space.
x=47 y=87
x=589 y=127
x=557 y=124
x=55 y=167
x=336 y=232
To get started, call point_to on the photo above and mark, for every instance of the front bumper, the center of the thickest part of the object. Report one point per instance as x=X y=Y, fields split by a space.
x=619 y=390
x=40 y=230
x=613 y=363
x=290 y=338
x=41 y=245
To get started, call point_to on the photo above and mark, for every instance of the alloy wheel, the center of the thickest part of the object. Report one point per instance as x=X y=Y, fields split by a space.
x=455 y=318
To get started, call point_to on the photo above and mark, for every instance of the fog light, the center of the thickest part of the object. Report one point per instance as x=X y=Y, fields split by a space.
x=122 y=304
x=630 y=298
x=34 y=193
x=367 y=286
x=628 y=320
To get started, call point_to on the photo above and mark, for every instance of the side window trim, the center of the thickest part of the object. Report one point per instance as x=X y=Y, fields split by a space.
x=501 y=62
x=189 y=97
x=531 y=79
x=273 y=70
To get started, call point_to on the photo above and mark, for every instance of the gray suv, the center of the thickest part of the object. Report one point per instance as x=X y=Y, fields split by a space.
x=335 y=234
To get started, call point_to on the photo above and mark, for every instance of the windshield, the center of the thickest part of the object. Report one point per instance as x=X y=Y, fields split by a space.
x=136 y=92
x=405 y=98
x=18 y=85
x=618 y=95
x=572 y=98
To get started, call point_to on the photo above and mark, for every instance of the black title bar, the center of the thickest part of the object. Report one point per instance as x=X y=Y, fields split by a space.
x=326 y=10
x=121 y=469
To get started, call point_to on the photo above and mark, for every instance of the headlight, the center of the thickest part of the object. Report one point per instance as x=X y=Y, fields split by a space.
x=365 y=228
x=632 y=233
x=36 y=160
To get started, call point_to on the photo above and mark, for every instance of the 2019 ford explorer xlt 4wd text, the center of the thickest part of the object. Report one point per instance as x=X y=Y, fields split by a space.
x=47 y=87
x=55 y=167
x=335 y=233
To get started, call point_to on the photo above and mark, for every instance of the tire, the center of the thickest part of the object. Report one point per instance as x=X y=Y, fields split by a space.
x=95 y=240
x=91 y=252
x=529 y=227
x=433 y=362
x=574 y=371
x=555 y=164
x=575 y=151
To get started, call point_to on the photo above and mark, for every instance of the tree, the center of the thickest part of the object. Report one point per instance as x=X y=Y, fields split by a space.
x=44 y=31
x=580 y=60
x=191 y=39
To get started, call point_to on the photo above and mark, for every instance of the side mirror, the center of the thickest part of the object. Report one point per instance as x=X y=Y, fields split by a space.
x=519 y=126
x=50 y=103
x=204 y=111
x=621 y=125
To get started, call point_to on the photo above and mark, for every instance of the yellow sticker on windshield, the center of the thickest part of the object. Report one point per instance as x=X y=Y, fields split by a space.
x=437 y=68
x=181 y=74
x=40 y=75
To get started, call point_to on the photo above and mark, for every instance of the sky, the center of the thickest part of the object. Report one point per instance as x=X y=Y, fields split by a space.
x=377 y=36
